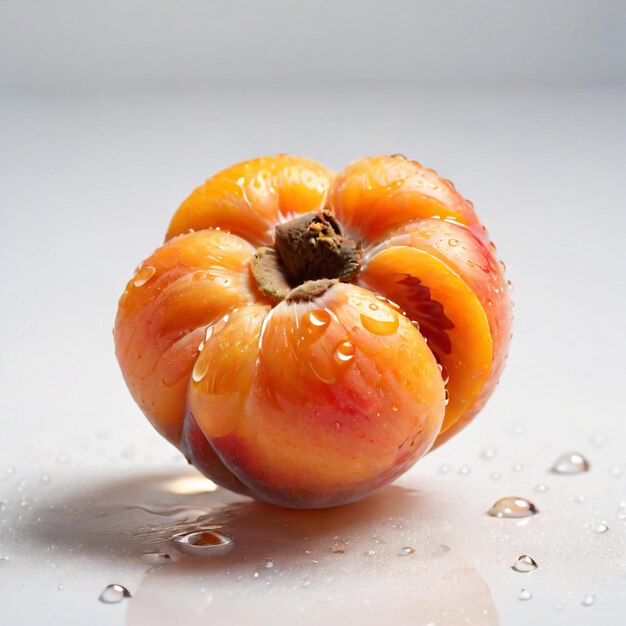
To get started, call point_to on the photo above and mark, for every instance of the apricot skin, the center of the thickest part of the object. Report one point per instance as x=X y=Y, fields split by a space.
x=316 y=403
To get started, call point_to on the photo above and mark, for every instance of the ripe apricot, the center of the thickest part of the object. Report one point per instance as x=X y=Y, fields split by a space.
x=303 y=337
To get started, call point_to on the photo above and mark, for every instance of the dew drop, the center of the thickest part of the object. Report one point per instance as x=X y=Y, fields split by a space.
x=406 y=551
x=601 y=528
x=155 y=558
x=524 y=595
x=597 y=440
x=386 y=323
x=524 y=564
x=570 y=463
x=512 y=507
x=319 y=318
x=345 y=351
x=488 y=454
x=200 y=368
x=113 y=594
x=588 y=600
x=453 y=242
x=203 y=543
x=143 y=276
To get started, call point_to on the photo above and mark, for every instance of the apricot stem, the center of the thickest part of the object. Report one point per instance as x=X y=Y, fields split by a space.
x=310 y=254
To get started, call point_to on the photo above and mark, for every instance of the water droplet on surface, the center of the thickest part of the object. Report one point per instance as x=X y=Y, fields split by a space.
x=155 y=558
x=338 y=548
x=453 y=242
x=337 y=425
x=597 y=440
x=345 y=351
x=495 y=475
x=465 y=470
x=60 y=586
x=541 y=488
x=394 y=408
x=601 y=528
x=488 y=454
x=518 y=428
x=255 y=575
x=570 y=463
x=319 y=318
x=62 y=458
x=143 y=276
x=579 y=499
x=524 y=564
x=203 y=543
x=406 y=551
x=112 y=594
x=8 y=472
x=269 y=563
x=512 y=507
x=370 y=553
x=524 y=595
x=444 y=469
x=45 y=479
x=518 y=467
x=385 y=323
x=588 y=600
x=616 y=471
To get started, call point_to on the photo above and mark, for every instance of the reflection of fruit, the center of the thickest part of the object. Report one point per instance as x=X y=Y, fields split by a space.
x=305 y=352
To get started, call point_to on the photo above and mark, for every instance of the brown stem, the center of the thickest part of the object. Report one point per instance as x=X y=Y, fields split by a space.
x=310 y=254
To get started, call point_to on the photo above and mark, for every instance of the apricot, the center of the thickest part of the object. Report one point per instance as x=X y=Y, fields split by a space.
x=305 y=338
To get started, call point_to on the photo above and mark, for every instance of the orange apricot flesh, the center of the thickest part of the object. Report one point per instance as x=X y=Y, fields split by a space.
x=249 y=198
x=315 y=404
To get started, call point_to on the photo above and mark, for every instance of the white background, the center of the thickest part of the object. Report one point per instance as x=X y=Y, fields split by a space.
x=110 y=113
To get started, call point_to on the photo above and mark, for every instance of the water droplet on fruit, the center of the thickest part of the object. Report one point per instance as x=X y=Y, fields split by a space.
x=337 y=425
x=269 y=563
x=447 y=397
x=524 y=564
x=570 y=463
x=143 y=276
x=385 y=323
x=338 y=548
x=524 y=595
x=8 y=472
x=345 y=351
x=200 y=369
x=512 y=507
x=112 y=594
x=453 y=242
x=203 y=543
x=601 y=528
x=588 y=600
x=317 y=319
x=373 y=306
x=406 y=551
x=155 y=558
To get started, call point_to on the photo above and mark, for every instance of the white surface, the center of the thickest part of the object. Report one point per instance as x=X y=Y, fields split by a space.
x=88 y=186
